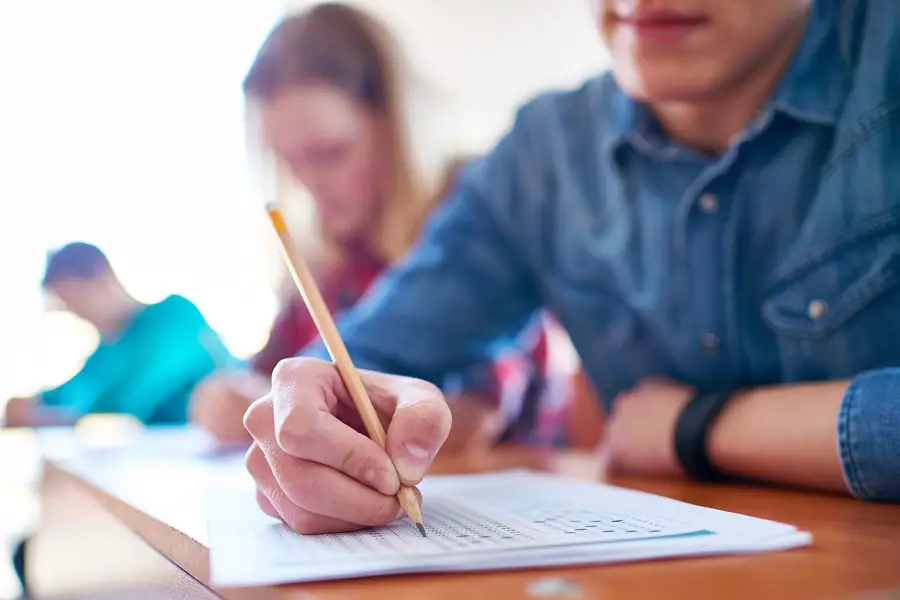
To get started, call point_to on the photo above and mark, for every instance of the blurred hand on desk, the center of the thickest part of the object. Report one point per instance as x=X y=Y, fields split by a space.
x=219 y=402
x=639 y=436
x=32 y=412
x=19 y=412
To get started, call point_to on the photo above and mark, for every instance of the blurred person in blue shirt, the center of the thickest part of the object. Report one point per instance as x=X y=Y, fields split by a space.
x=149 y=358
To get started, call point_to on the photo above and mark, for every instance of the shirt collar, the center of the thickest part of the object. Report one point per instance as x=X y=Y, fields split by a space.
x=813 y=88
x=816 y=83
x=632 y=122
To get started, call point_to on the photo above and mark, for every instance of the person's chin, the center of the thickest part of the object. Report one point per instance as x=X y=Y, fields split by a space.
x=657 y=85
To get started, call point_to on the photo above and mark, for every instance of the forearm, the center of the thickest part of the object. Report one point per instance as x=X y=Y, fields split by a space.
x=838 y=436
x=785 y=434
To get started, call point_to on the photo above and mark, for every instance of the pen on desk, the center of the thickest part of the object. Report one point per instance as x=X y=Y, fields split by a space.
x=321 y=316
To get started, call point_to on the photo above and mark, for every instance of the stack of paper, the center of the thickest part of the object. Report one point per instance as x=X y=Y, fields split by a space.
x=481 y=522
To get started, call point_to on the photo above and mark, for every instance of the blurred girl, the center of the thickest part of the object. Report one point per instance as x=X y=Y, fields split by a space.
x=328 y=89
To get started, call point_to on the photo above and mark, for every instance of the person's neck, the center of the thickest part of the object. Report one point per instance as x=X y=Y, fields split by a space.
x=709 y=125
x=124 y=309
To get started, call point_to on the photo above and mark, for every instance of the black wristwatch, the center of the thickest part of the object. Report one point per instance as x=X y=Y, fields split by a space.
x=691 y=433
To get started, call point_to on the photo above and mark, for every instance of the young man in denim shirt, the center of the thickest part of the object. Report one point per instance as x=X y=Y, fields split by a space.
x=716 y=222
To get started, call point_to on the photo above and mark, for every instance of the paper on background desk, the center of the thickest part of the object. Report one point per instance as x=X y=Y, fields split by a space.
x=493 y=521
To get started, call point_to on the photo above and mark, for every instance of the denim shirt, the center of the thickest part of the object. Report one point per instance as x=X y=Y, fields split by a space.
x=776 y=261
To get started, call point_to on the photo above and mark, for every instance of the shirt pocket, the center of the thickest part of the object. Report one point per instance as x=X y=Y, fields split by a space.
x=836 y=312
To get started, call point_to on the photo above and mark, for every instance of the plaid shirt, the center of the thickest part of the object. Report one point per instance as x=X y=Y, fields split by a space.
x=533 y=398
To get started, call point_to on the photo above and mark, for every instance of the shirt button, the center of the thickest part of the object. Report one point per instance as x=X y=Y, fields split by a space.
x=709 y=203
x=709 y=343
x=817 y=309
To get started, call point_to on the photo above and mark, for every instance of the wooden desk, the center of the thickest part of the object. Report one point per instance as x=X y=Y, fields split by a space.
x=856 y=551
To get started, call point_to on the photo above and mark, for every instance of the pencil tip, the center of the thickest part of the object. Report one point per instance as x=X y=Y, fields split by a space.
x=421 y=529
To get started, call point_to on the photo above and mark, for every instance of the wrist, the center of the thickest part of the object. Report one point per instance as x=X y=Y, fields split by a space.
x=724 y=443
x=693 y=433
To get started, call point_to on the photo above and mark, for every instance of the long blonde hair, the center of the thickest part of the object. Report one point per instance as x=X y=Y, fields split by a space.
x=345 y=47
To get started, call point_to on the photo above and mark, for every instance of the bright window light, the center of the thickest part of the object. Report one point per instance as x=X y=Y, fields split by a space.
x=121 y=124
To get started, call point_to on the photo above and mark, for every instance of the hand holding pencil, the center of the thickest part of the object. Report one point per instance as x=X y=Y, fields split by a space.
x=336 y=449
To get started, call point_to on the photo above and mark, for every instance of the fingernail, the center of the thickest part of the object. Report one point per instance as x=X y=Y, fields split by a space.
x=385 y=481
x=412 y=462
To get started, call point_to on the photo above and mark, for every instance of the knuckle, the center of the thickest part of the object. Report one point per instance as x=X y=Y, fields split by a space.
x=356 y=461
x=300 y=521
x=290 y=369
x=259 y=416
x=283 y=370
x=348 y=459
x=261 y=499
x=434 y=422
x=255 y=463
x=293 y=431
x=425 y=389
x=430 y=388
x=265 y=504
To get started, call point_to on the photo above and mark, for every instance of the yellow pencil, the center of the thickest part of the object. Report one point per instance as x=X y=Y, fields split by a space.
x=321 y=316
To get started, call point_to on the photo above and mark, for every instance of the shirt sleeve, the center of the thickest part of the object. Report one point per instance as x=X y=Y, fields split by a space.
x=168 y=354
x=464 y=290
x=92 y=380
x=869 y=435
x=170 y=370
x=167 y=350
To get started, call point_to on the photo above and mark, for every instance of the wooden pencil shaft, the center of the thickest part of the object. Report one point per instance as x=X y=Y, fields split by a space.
x=331 y=337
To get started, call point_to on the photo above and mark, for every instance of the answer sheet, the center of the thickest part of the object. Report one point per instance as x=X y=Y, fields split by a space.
x=494 y=521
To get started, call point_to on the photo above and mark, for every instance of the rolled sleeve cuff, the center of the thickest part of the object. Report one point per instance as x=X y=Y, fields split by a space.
x=52 y=397
x=479 y=379
x=869 y=435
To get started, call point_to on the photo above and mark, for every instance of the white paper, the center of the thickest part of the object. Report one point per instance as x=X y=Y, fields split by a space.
x=495 y=521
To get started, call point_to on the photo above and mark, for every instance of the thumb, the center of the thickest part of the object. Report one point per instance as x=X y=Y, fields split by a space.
x=418 y=429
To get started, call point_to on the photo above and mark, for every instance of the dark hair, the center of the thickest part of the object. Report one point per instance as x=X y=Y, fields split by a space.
x=77 y=260
x=331 y=43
